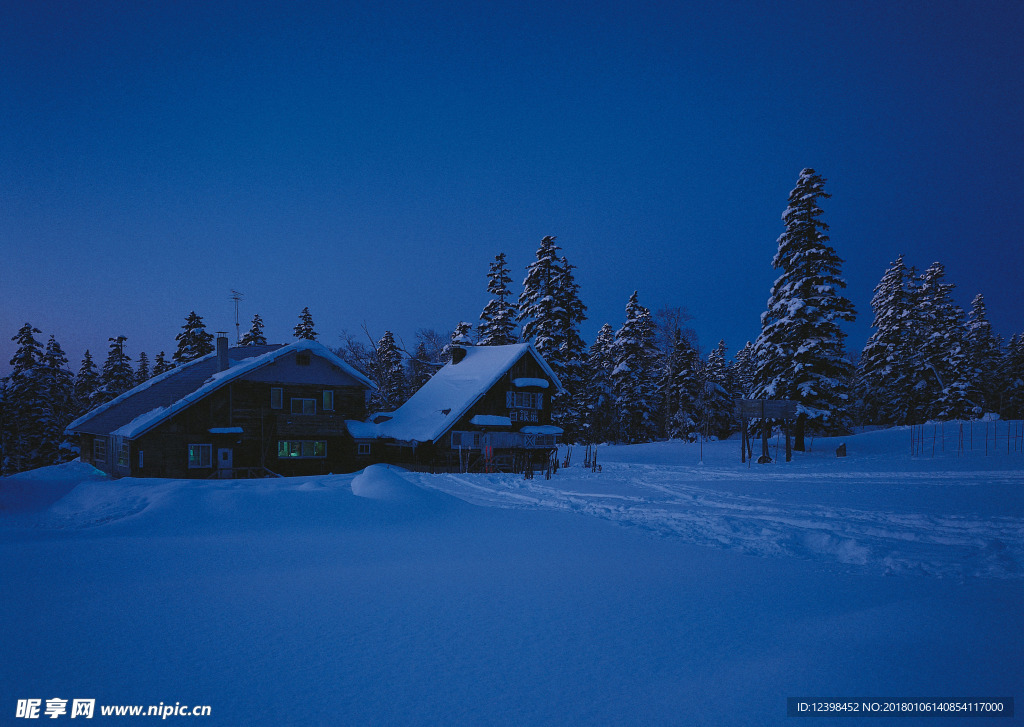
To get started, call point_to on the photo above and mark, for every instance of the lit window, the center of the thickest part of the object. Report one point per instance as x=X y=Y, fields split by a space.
x=303 y=406
x=301 y=449
x=276 y=397
x=328 y=400
x=200 y=455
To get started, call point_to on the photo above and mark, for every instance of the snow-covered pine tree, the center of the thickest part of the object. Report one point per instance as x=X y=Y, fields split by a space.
x=684 y=390
x=498 y=319
x=254 y=336
x=421 y=367
x=745 y=371
x=117 y=375
x=25 y=403
x=142 y=372
x=87 y=384
x=634 y=376
x=939 y=364
x=193 y=341
x=600 y=424
x=389 y=375
x=161 y=364
x=883 y=384
x=1012 y=379
x=304 y=328
x=800 y=353
x=58 y=385
x=717 y=403
x=984 y=355
x=537 y=302
x=462 y=335
x=551 y=311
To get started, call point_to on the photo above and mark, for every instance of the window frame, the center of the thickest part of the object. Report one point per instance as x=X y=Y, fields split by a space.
x=99 y=449
x=198 y=463
x=302 y=448
x=302 y=402
x=364 y=449
x=276 y=397
x=328 y=394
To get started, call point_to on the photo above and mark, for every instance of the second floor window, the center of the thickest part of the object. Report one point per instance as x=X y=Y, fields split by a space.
x=276 y=397
x=303 y=406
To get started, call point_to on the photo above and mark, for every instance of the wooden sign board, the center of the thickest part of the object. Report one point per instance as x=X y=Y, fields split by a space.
x=767 y=408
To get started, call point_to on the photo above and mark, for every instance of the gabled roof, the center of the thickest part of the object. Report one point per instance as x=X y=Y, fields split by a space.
x=138 y=410
x=450 y=393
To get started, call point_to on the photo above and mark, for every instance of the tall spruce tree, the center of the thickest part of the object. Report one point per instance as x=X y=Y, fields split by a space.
x=984 y=356
x=117 y=375
x=194 y=341
x=1012 y=379
x=58 y=386
x=87 y=384
x=161 y=364
x=745 y=371
x=304 y=328
x=634 y=376
x=498 y=319
x=684 y=390
x=800 y=354
x=421 y=367
x=716 y=399
x=883 y=384
x=389 y=375
x=254 y=336
x=939 y=364
x=25 y=403
x=142 y=371
x=600 y=423
x=551 y=311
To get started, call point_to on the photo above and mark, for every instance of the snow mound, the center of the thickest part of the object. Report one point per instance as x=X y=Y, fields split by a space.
x=38 y=489
x=383 y=482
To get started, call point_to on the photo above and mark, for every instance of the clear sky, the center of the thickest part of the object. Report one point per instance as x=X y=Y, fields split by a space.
x=368 y=160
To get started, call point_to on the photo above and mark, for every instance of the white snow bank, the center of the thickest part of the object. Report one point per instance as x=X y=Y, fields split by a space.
x=384 y=482
x=38 y=489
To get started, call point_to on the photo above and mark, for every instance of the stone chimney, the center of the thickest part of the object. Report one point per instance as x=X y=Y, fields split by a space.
x=222 y=351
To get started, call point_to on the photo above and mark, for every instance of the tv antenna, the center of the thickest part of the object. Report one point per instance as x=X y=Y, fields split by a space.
x=236 y=296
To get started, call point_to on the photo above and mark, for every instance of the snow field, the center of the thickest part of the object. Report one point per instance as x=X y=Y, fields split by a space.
x=381 y=598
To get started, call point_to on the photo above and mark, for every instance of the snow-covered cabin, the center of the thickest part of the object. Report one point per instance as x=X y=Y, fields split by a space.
x=243 y=411
x=481 y=410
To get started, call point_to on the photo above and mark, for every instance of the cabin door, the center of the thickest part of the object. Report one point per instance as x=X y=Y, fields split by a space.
x=225 y=462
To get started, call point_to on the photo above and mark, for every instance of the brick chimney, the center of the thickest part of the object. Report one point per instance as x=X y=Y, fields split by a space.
x=222 y=351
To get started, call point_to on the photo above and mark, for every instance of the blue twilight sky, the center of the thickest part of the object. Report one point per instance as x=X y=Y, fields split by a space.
x=368 y=160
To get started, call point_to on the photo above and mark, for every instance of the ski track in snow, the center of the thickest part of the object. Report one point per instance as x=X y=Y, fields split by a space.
x=683 y=503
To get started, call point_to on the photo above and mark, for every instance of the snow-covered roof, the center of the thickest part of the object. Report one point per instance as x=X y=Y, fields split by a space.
x=138 y=410
x=450 y=393
x=491 y=420
x=542 y=429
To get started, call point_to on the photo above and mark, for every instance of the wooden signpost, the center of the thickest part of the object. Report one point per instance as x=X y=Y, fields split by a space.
x=764 y=409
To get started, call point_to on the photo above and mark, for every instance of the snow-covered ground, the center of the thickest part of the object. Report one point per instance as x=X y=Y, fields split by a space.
x=660 y=590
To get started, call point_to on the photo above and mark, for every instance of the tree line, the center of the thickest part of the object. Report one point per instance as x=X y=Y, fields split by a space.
x=645 y=380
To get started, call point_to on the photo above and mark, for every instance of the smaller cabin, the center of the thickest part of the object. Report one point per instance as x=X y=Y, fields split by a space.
x=246 y=411
x=489 y=409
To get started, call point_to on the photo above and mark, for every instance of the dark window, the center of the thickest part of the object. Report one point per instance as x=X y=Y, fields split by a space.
x=276 y=397
x=328 y=400
x=364 y=449
x=303 y=406
x=99 y=450
x=302 y=358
